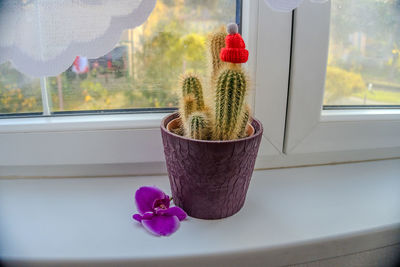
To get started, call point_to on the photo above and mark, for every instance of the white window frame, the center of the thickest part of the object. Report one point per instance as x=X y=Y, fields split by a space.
x=338 y=135
x=268 y=34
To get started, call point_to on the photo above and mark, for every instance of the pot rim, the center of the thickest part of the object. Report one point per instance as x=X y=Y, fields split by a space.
x=175 y=114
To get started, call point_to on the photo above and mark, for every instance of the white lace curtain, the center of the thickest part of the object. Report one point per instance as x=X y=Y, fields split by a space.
x=43 y=37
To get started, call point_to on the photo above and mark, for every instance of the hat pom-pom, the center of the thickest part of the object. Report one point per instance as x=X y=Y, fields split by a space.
x=232 y=28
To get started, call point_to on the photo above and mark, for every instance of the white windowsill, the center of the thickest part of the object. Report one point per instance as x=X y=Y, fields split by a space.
x=291 y=216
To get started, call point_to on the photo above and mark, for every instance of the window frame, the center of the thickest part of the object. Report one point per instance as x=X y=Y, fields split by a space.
x=361 y=133
x=268 y=68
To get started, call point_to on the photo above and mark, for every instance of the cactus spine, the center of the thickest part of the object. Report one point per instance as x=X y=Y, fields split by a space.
x=198 y=126
x=230 y=95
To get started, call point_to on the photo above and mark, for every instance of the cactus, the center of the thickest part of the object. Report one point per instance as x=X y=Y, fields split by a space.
x=188 y=106
x=192 y=93
x=216 y=42
x=228 y=120
x=241 y=131
x=192 y=85
x=230 y=95
x=198 y=126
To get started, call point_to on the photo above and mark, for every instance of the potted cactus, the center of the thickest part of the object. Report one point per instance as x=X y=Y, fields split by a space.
x=211 y=144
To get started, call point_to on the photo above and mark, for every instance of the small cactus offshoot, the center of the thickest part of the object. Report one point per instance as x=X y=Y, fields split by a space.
x=188 y=106
x=198 y=126
x=192 y=98
x=191 y=86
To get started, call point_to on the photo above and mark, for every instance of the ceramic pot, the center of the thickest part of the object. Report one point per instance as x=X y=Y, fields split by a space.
x=209 y=179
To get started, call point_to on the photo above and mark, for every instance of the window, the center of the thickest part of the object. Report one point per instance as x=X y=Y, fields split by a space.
x=142 y=71
x=364 y=50
x=291 y=77
x=335 y=134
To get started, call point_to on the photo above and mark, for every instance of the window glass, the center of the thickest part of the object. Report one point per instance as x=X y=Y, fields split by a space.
x=18 y=93
x=142 y=71
x=364 y=53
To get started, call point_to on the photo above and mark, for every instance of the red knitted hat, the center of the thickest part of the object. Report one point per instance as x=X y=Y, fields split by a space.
x=235 y=49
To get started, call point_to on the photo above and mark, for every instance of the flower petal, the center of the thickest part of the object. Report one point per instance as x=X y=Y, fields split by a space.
x=145 y=197
x=148 y=215
x=162 y=225
x=174 y=211
x=137 y=217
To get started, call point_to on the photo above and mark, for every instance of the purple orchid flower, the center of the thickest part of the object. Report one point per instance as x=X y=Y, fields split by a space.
x=154 y=212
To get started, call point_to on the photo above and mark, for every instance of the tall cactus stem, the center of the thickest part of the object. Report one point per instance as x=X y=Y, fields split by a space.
x=230 y=95
x=216 y=43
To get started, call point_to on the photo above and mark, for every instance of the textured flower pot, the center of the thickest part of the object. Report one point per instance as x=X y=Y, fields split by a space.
x=209 y=179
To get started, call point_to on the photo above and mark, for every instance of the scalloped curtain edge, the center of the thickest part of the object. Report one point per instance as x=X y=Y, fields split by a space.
x=59 y=64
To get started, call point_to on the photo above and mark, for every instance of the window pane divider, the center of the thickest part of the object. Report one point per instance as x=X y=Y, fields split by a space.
x=45 y=96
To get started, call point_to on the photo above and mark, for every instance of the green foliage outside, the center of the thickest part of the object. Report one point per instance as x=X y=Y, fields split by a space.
x=18 y=93
x=342 y=83
x=13 y=100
